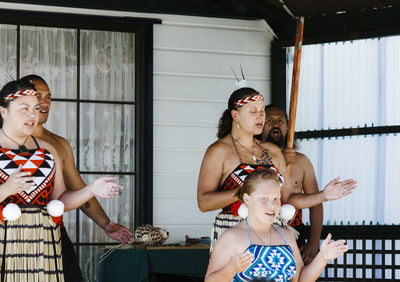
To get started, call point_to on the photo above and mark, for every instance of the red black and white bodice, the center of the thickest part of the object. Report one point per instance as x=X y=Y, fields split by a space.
x=236 y=178
x=40 y=163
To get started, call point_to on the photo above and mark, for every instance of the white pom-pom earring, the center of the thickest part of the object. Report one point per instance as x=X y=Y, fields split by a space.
x=243 y=211
x=238 y=125
x=287 y=212
x=11 y=212
x=55 y=208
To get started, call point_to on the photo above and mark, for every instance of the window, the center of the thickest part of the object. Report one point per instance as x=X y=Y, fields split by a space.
x=352 y=86
x=99 y=71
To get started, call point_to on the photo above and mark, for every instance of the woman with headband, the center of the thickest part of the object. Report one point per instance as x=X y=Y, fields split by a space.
x=259 y=250
x=29 y=236
x=237 y=154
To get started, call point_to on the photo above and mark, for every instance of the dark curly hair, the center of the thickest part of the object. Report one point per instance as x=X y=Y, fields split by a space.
x=225 y=122
x=12 y=87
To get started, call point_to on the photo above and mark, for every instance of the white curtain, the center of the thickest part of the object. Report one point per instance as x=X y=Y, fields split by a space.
x=8 y=53
x=107 y=65
x=51 y=53
x=107 y=130
x=348 y=85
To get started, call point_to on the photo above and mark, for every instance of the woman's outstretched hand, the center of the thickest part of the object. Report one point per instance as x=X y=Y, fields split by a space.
x=105 y=187
x=332 y=249
x=338 y=189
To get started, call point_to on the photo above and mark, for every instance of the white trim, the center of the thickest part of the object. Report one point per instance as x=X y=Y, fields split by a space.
x=175 y=149
x=69 y=10
x=226 y=27
x=206 y=51
x=190 y=100
x=187 y=172
x=181 y=124
x=174 y=173
x=201 y=75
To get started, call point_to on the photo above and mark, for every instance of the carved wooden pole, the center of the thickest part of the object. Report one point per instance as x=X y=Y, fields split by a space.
x=295 y=82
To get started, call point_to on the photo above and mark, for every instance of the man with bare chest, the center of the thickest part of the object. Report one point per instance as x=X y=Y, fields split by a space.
x=303 y=179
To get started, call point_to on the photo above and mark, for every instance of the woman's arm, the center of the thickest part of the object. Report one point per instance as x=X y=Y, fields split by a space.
x=211 y=172
x=103 y=187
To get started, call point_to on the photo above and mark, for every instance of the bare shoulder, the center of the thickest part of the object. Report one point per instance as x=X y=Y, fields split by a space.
x=56 y=139
x=271 y=147
x=46 y=145
x=301 y=156
x=286 y=233
x=303 y=160
x=60 y=144
x=219 y=148
x=236 y=235
x=273 y=150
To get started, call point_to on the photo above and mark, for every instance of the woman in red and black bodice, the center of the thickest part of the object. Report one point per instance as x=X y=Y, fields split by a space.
x=236 y=154
x=30 y=245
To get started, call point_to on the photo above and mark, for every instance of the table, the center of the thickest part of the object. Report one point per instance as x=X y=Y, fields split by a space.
x=138 y=264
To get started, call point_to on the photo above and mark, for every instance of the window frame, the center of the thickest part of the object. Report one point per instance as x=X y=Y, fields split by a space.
x=143 y=30
x=278 y=91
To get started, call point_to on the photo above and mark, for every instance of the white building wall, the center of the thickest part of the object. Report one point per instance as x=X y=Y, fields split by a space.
x=193 y=80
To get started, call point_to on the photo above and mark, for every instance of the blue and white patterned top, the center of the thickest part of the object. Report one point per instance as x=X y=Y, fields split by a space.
x=270 y=263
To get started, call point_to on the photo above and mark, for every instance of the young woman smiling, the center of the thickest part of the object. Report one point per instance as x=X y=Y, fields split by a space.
x=257 y=248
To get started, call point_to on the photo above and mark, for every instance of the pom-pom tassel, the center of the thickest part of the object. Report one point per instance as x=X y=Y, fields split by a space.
x=287 y=212
x=10 y=212
x=243 y=211
x=55 y=208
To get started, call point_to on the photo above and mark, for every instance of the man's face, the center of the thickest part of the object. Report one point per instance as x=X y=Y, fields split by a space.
x=275 y=128
x=44 y=100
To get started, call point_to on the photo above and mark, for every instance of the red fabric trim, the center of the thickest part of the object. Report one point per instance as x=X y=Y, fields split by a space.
x=58 y=220
x=2 y=219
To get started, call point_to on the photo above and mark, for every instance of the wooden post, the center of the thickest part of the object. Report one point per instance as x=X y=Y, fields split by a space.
x=295 y=82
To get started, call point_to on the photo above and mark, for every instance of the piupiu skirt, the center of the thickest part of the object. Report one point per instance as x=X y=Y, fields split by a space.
x=222 y=222
x=30 y=247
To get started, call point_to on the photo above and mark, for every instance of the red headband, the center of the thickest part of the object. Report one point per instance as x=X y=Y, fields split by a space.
x=246 y=100
x=12 y=96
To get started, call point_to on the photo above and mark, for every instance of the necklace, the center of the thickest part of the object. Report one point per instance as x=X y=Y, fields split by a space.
x=254 y=231
x=22 y=148
x=252 y=154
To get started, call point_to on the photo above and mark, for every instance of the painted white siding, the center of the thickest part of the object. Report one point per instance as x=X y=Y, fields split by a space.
x=193 y=80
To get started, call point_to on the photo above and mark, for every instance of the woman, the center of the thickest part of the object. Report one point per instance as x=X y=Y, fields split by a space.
x=258 y=248
x=30 y=246
x=236 y=154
